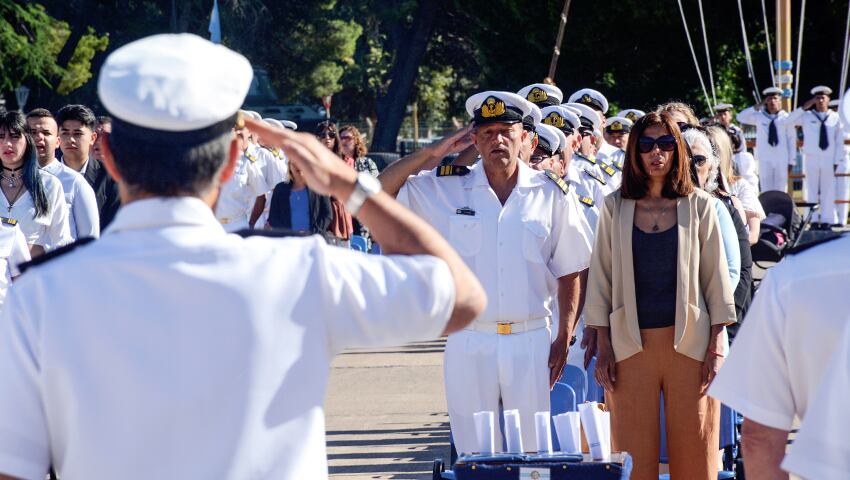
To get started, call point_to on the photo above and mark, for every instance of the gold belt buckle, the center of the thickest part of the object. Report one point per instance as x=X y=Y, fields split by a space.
x=224 y=221
x=503 y=328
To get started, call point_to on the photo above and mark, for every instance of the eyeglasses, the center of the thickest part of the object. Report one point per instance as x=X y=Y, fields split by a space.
x=699 y=160
x=535 y=159
x=326 y=135
x=666 y=143
x=345 y=138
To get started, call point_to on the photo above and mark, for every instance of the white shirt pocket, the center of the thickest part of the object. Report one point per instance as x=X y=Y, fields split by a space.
x=534 y=235
x=465 y=234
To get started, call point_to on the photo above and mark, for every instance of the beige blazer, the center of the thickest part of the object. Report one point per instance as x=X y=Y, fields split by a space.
x=703 y=291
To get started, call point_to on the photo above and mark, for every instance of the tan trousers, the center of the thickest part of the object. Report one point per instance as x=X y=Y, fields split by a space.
x=693 y=419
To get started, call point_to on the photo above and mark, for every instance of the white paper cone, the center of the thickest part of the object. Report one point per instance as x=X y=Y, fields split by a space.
x=606 y=429
x=484 y=424
x=543 y=428
x=513 y=435
x=593 y=429
x=568 y=428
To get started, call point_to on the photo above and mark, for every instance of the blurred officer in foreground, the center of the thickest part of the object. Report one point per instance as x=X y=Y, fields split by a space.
x=212 y=356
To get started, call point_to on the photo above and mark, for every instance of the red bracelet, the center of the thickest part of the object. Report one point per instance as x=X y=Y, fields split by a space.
x=716 y=354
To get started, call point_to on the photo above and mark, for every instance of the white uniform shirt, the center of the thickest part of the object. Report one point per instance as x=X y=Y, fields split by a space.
x=275 y=168
x=606 y=150
x=788 y=335
x=211 y=356
x=591 y=211
x=13 y=252
x=810 y=120
x=50 y=230
x=580 y=173
x=821 y=450
x=239 y=194
x=83 y=217
x=785 y=150
x=517 y=251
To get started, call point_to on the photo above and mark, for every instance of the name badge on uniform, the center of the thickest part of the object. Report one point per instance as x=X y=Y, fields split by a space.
x=465 y=211
x=8 y=221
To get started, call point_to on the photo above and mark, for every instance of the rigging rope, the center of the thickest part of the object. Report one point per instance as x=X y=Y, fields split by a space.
x=707 y=54
x=694 y=55
x=799 y=51
x=750 y=71
x=767 y=40
x=844 y=58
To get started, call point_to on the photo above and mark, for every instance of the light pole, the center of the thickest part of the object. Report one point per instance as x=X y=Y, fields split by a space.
x=21 y=95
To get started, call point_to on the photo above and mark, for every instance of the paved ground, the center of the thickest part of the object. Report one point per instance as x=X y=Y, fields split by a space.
x=386 y=412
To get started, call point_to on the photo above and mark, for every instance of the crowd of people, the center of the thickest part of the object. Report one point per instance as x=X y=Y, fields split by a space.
x=545 y=233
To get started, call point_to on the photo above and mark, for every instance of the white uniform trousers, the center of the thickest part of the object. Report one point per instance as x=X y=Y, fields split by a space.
x=773 y=176
x=842 y=191
x=820 y=185
x=481 y=368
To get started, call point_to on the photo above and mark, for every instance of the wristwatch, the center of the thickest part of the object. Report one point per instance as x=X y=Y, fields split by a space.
x=365 y=186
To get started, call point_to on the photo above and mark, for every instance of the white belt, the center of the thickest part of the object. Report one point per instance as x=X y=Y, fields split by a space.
x=508 y=328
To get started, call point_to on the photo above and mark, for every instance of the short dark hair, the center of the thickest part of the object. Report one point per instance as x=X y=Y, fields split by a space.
x=80 y=113
x=103 y=119
x=39 y=113
x=169 y=170
x=635 y=179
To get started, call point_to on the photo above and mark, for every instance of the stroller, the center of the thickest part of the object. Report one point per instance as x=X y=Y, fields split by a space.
x=783 y=227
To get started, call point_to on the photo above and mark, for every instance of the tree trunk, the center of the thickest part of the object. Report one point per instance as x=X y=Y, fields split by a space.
x=410 y=50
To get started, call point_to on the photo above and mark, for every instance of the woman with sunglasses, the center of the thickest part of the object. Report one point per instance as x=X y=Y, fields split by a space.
x=353 y=150
x=31 y=200
x=342 y=225
x=707 y=175
x=737 y=186
x=659 y=296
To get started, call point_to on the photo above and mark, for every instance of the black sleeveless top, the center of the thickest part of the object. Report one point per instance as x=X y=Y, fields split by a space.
x=655 y=259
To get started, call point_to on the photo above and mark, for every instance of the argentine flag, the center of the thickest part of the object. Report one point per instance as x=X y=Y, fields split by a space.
x=215 y=24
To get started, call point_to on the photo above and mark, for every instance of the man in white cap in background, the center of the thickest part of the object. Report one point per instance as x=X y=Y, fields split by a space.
x=563 y=119
x=632 y=114
x=776 y=140
x=212 y=356
x=524 y=236
x=542 y=94
x=723 y=117
x=584 y=159
x=617 y=135
x=598 y=103
x=823 y=151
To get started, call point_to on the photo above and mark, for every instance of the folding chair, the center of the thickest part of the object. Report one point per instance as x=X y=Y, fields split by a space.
x=358 y=243
x=576 y=378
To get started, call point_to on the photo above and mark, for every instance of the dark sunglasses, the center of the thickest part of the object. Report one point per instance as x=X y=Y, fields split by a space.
x=667 y=143
x=684 y=126
x=326 y=135
x=535 y=159
x=699 y=160
x=346 y=137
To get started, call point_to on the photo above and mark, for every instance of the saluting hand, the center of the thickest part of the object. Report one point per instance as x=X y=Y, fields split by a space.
x=454 y=143
x=320 y=167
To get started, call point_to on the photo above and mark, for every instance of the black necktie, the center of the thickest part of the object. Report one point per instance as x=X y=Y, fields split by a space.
x=824 y=138
x=772 y=135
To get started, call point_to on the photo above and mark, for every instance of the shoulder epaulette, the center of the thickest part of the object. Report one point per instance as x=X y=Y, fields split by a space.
x=608 y=169
x=558 y=181
x=594 y=176
x=619 y=166
x=815 y=243
x=250 y=157
x=273 y=151
x=273 y=233
x=41 y=259
x=586 y=159
x=8 y=221
x=586 y=201
x=452 y=171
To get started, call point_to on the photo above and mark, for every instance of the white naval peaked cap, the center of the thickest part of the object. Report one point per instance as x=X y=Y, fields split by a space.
x=821 y=89
x=834 y=103
x=618 y=125
x=173 y=83
x=588 y=114
x=722 y=107
x=252 y=114
x=631 y=113
x=495 y=106
x=590 y=97
x=771 y=91
x=274 y=122
x=549 y=135
x=532 y=120
x=542 y=94
x=289 y=124
x=554 y=115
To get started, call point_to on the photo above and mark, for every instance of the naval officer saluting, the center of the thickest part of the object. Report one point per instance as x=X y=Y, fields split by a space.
x=776 y=143
x=211 y=357
x=523 y=234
